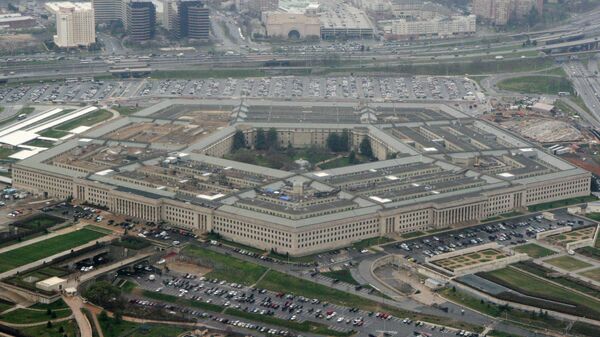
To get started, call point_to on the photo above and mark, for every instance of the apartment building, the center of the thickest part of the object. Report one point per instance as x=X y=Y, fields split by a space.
x=75 y=24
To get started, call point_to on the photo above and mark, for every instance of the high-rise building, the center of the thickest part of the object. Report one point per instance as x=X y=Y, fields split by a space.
x=75 y=24
x=169 y=14
x=140 y=19
x=107 y=10
x=257 y=7
x=193 y=20
x=500 y=11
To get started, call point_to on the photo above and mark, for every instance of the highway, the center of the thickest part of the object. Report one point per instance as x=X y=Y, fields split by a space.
x=587 y=85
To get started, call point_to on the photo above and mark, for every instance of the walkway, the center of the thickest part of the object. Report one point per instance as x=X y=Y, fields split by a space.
x=76 y=304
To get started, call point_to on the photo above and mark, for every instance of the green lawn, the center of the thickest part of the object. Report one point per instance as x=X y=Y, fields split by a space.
x=411 y=235
x=4 y=305
x=561 y=203
x=366 y=243
x=535 y=286
x=536 y=85
x=494 y=310
x=568 y=263
x=343 y=275
x=40 y=143
x=534 y=250
x=24 y=316
x=52 y=133
x=39 y=250
x=5 y=153
x=58 y=304
x=226 y=267
x=126 y=110
x=85 y=120
x=111 y=328
x=593 y=274
x=69 y=327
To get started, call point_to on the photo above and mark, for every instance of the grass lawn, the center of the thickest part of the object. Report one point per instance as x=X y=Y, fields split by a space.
x=496 y=333
x=40 y=143
x=568 y=263
x=59 y=304
x=24 y=316
x=366 y=243
x=536 y=85
x=111 y=328
x=535 y=286
x=494 y=310
x=561 y=203
x=343 y=275
x=534 y=250
x=4 y=305
x=593 y=274
x=126 y=110
x=225 y=267
x=411 y=235
x=69 y=327
x=52 y=133
x=85 y=120
x=39 y=250
x=5 y=153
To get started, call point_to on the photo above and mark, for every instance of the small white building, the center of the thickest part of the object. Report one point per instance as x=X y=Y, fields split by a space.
x=435 y=283
x=593 y=207
x=51 y=284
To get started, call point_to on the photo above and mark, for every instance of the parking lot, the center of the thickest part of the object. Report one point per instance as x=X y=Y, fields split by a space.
x=279 y=305
x=512 y=231
x=343 y=87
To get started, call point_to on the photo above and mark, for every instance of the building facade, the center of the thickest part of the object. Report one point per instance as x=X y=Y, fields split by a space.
x=75 y=25
x=107 y=10
x=500 y=11
x=291 y=25
x=438 y=27
x=140 y=20
x=193 y=20
x=436 y=168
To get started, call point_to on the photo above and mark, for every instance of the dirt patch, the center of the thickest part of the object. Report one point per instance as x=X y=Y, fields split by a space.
x=186 y=267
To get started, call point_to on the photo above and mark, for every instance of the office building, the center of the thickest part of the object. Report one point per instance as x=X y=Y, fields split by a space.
x=499 y=12
x=193 y=20
x=256 y=7
x=438 y=27
x=107 y=10
x=75 y=25
x=448 y=169
x=140 y=20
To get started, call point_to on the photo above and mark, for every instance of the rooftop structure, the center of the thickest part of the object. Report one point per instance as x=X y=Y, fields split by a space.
x=434 y=167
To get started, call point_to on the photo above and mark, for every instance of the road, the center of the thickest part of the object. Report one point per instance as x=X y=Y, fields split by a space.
x=587 y=85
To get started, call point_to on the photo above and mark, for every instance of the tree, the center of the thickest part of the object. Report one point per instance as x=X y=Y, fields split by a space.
x=260 y=143
x=345 y=140
x=105 y=295
x=103 y=316
x=118 y=316
x=49 y=325
x=533 y=17
x=365 y=147
x=352 y=157
x=333 y=142
x=48 y=312
x=272 y=142
x=239 y=141
x=61 y=329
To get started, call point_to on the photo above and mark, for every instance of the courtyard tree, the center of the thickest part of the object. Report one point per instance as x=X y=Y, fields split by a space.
x=239 y=141
x=365 y=147
x=272 y=141
x=260 y=142
x=333 y=142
